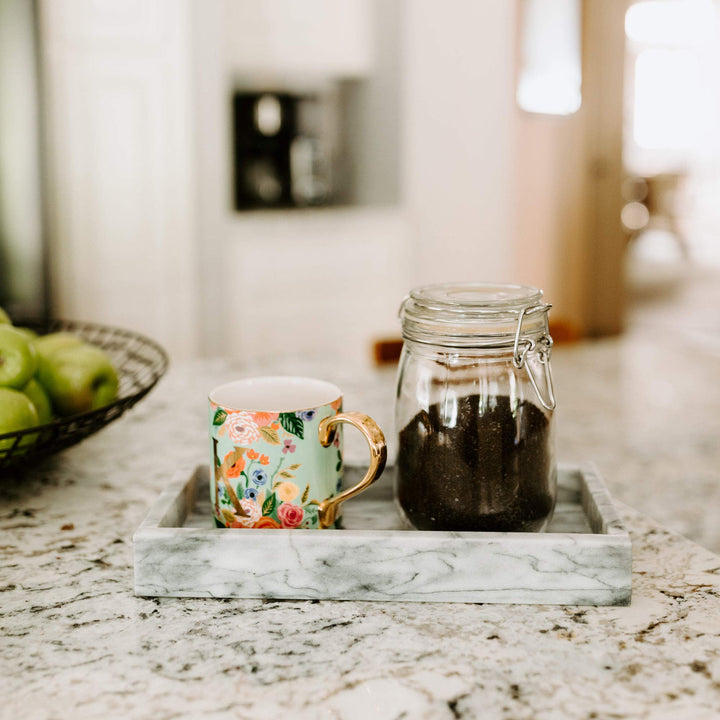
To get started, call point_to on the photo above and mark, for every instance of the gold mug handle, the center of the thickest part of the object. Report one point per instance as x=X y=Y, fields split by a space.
x=328 y=509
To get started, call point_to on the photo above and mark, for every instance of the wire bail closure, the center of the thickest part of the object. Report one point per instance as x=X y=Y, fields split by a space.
x=544 y=348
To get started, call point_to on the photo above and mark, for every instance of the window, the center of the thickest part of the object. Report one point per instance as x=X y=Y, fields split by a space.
x=551 y=67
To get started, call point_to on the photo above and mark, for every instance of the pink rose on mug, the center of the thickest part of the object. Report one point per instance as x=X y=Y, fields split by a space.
x=290 y=515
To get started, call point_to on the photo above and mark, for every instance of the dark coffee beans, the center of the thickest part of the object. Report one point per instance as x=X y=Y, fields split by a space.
x=477 y=463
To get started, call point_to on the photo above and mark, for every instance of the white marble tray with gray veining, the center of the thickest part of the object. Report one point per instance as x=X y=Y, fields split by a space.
x=583 y=559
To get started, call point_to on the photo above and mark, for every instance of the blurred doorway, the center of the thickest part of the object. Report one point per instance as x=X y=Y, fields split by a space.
x=671 y=143
x=570 y=239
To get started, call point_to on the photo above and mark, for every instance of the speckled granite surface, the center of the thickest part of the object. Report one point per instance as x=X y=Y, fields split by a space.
x=647 y=412
x=76 y=643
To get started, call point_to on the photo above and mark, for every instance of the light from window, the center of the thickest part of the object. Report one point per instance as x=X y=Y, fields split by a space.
x=668 y=95
x=672 y=23
x=551 y=68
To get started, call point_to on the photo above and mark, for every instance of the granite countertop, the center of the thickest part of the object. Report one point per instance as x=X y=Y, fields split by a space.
x=77 y=643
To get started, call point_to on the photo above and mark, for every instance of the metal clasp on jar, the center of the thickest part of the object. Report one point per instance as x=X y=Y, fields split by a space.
x=543 y=345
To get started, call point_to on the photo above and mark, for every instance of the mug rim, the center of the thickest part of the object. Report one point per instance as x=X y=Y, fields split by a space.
x=331 y=393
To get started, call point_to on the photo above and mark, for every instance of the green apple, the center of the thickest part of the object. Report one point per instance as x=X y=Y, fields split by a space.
x=18 y=359
x=48 y=344
x=16 y=413
x=78 y=378
x=39 y=398
x=4 y=318
x=27 y=333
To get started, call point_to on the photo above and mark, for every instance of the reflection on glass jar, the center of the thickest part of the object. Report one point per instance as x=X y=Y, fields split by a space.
x=474 y=409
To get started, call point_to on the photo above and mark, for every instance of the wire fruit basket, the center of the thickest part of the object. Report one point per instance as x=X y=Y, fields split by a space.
x=139 y=362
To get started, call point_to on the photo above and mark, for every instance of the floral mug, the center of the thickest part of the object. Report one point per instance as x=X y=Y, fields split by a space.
x=276 y=453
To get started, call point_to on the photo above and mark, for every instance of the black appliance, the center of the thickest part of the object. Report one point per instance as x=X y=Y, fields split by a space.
x=278 y=157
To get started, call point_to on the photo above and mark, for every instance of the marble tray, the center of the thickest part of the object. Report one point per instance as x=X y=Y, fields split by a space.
x=583 y=559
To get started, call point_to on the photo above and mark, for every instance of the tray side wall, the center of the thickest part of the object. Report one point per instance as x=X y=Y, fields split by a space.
x=549 y=568
x=578 y=570
x=597 y=503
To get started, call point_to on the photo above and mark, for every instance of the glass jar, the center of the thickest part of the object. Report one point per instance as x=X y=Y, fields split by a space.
x=474 y=409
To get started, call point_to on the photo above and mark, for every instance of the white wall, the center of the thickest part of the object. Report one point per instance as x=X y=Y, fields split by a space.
x=453 y=70
x=324 y=282
x=313 y=284
x=458 y=154
x=373 y=121
x=140 y=141
x=280 y=38
x=120 y=142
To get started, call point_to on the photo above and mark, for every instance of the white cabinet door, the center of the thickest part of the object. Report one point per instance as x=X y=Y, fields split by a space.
x=312 y=38
x=118 y=88
x=321 y=285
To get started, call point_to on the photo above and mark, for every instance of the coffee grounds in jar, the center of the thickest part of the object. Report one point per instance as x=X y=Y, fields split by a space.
x=477 y=463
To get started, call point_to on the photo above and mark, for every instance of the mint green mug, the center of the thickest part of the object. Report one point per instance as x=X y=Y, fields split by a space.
x=276 y=453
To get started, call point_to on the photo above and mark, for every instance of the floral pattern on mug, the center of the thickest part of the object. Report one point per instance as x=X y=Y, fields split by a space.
x=242 y=428
x=263 y=487
x=235 y=468
x=259 y=477
x=290 y=515
x=253 y=514
x=287 y=491
x=267 y=522
x=263 y=419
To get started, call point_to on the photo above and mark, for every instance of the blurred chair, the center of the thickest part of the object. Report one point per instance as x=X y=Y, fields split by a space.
x=652 y=204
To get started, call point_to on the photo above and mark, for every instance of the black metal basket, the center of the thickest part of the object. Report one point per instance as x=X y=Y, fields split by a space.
x=140 y=363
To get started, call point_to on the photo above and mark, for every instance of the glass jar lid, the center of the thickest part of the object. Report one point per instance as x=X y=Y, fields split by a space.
x=473 y=314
